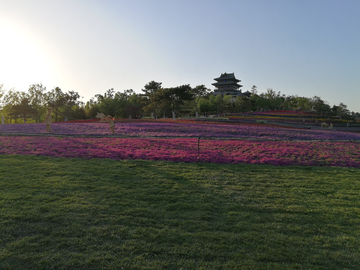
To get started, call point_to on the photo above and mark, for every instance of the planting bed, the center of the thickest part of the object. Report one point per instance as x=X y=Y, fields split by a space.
x=190 y=129
x=186 y=142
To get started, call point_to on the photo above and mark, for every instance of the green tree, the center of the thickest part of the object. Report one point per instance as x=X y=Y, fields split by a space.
x=290 y=103
x=63 y=103
x=199 y=92
x=2 y=93
x=150 y=97
x=78 y=112
x=254 y=90
x=91 y=108
x=243 y=104
x=205 y=104
x=72 y=102
x=272 y=100
x=133 y=105
x=23 y=109
x=228 y=101
x=11 y=98
x=175 y=97
x=118 y=104
x=107 y=103
x=304 y=103
x=55 y=99
x=160 y=102
x=37 y=100
x=219 y=104
x=342 y=111
x=320 y=107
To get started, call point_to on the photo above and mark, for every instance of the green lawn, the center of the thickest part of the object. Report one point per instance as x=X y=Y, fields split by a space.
x=58 y=213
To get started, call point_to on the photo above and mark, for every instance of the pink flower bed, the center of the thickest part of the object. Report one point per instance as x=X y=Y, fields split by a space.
x=345 y=154
x=159 y=129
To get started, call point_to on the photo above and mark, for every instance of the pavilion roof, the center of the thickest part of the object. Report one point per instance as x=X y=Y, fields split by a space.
x=227 y=76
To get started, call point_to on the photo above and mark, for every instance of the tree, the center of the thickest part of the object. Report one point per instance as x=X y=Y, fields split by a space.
x=10 y=99
x=2 y=93
x=118 y=104
x=320 y=107
x=205 y=104
x=198 y=92
x=273 y=99
x=23 y=109
x=219 y=104
x=160 y=102
x=176 y=96
x=228 y=101
x=55 y=99
x=106 y=102
x=149 y=98
x=37 y=100
x=303 y=103
x=78 y=113
x=289 y=103
x=133 y=104
x=62 y=103
x=243 y=104
x=91 y=108
x=342 y=111
x=71 y=100
x=254 y=90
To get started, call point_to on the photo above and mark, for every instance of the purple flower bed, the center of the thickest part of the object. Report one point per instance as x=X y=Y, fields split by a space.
x=344 y=154
x=184 y=130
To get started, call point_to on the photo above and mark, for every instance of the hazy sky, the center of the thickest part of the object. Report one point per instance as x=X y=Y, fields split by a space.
x=297 y=47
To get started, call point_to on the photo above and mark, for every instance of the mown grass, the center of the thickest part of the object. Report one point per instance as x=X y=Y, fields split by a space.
x=59 y=213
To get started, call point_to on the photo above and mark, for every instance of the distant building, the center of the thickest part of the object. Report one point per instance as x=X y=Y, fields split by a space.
x=227 y=84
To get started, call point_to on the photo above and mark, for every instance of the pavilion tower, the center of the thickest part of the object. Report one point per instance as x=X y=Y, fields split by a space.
x=227 y=84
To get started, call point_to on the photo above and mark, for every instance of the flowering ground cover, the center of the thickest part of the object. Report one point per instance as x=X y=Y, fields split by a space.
x=170 y=129
x=288 y=116
x=343 y=154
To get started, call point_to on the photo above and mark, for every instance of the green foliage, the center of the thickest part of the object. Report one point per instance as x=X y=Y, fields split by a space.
x=206 y=104
x=198 y=92
x=172 y=98
x=2 y=93
x=261 y=121
x=92 y=214
x=270 y=100
x=219 y=104
x=243 y=104
x=158 y=101
x=118 y=104
x=150 y=98
x=37 y=100
x=23 y=109
x=63 y=103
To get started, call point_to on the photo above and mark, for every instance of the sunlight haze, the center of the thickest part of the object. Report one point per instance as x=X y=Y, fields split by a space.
x=303 y=48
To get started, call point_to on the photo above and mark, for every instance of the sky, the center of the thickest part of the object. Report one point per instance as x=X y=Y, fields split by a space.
x=305 y=48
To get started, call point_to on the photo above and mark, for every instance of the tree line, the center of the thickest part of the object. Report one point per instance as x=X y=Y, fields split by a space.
x=154 y=101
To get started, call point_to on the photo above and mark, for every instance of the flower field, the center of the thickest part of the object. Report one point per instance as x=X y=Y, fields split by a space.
x=287 y=116
x=179 y=142
x=190 y=129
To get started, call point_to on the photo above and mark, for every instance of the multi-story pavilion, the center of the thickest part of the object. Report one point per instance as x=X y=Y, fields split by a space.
x=227 y=84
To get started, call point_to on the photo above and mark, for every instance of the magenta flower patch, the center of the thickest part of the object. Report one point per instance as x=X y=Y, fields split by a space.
x=158 y=129
x=344 y=154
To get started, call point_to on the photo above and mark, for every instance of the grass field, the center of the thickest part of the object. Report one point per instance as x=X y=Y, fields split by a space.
x=59 y=213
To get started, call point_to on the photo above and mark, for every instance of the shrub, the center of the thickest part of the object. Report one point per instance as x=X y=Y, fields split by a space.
x=261 y=122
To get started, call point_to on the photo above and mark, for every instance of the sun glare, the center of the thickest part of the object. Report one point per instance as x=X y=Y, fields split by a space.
x=23 y=60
